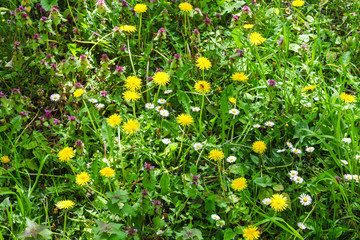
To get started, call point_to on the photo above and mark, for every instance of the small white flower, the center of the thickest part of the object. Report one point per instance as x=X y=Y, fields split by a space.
x=280 y=83
x=215 y=217
x=159 y=232
x=161 y=101
x=344 y=162
x=269 y=124
x=293 y=173
x=149 y=106
x=197 y=146
x=281 y=150
x=55 y=97
x=266 y=201
x=298 y=179
x=158 y=108
x=168 y=91
x=195 y=109
x=348 y=177
x=309 y=149
x=257 y=126
x=231 y=159
x=296 y=151
x=234 y=111
x=166 y=141
x=357 y=157
x=93 y=100
x=301 y=226
x=347 y=140
x=164 y=113
x=305 y=199
x=289 y=144
x=356 y=177
x=99 y=106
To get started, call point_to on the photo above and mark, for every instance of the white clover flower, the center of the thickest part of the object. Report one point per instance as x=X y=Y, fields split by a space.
x=168 y=91
x=344 y=162
x=55 y=97
x=305 y=199
x=197 y=146
x=346 y=140
x=269 y=124
x=195 y=109
x=281 y=150
x=164 y=113
x=231 y=159
x=296 y=151
x=149 y=106
x=348 y=177
x=266 y=201
x=158 y=108
x=215 y=217
x=234 y=111
x=166 y=141
x=301 y=226
x=93 y=100
x=257 y=126
x=99 y=106
x=161 y=101
x=293 y=173
x=289 y=144
x=298 y=179
x=309 y=149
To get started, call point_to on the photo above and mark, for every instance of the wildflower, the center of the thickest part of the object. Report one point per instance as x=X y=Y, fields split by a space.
x=140 y=8
x=269 y=124
x=281 y=150
x=79 y=92
x=231 y=159
x=240 y=77
x=66 y=154
x=203 y=63
x=216 y=155
x=215 y=217
x=266 y=201
x=55 y=97
x=168 y=91
x=131 y=126
x=195 y=179
x=309 y=149
x=271 y=82
x=99 y=106
x=202 y=87
x=251 y=233
x=239 y=184
x=66 y=204
x=347 y=98
x=346 y=140
x=82 y=178
x=355 y=177
x=185 y=119
x=131 y=231
x=248 y=26
x=344 y=162
x=289 y=144
x=246 y=9
x=311 y=87
x=259 y=147
x=232 y=100
x=5 y=159
x=159 y=108
x=161 y=101
x=114 y=120
x=305 y=199
x=104 y=94
x=164 y=113
x=348 y=177
x=279 y=42
x=127 y=28
x=195 y=109
x=256 y=38
x=197 y=146
x=234 y=111
x=149 y=106
x=293 y=173
x=296 y=151
x=298 y=179
x=161 y=78
x=301 y=226
x=298 y=3
x=131 y=96
x=92 y=100
x=257 y=126
x=166 y=141
x=185 y=7
x=133 y=83
x=107 y=172
x=278 y=202
x=148 y=166
x=357 y=157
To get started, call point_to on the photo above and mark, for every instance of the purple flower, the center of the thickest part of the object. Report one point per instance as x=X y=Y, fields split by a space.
x=170 y=61
x=24 y=114
x=148 y=166
x=279 y=42
x=271 y=82
x=104 y=58
x=131 y=231
x=57 y=122
x=124 y=3
x=79 y=143
x=48 y=114
x=177 y=56
x=24 y=16
x=164 y=11
x=207 y=21
x=218 y=15
x=53 y=65
x=78 y=85
x=195 y=179
x=88 y=165
x=196 y=32
x=149 y=78
x=43 y=19
x=83 y=57
x=158 y=70
x=144 y=192
x=123 y=48
x=161 y=30
x=253 y=2
x=240 y=52
x=303 y=46
x=75 y=31
x=22 y=8
x=119 y=70
x=338 y=178
x=156 y=203
x=36 y=36
x=235 y=18
x=246 y=9
x=15 y=90
x=71 y=118
x=104 y=94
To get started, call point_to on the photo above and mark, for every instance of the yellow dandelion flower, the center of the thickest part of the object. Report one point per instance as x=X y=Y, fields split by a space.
x=131 y=126
x=114 y=120
x=232 y=100
x=133 y=83
x=278 y=202
x=203 y=63
x=256 y=38
x=248 y=26
x=78 y=92
x=347 y=98
x=131 y=96
x=298 y=3
x=82 y=179
x=311 y=87
x=259 y=147
x=127 y=28
x=66 y=154
x=251 y=233
x=107 y=172
x=140 y=8
x=241 y=77
x=185 y=120
x=216 y=155
x=66 y=204
x=185 y=7
x=239 y=184
x=202 y=87
x=5 y=159
x=161 y=78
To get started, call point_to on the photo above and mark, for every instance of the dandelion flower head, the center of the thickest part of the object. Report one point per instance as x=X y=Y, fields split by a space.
x=216 y=155
x=347 y=98
x=133 y=83
x=131 y=96
x=5 y=159
x=66 y=154
x=298 y=3
x=185 y=119
x=78 y=92
x=131 y=126
x=82 y=178
x=66 y=204
x=127 y=28
x=239 y=184
x=278 y=202
x=114 y=120
x=107 y=172
x=256 y=38
x=240 y=77
x=185 y=7
x=202 y=87
x=140 y=8
x=161 y=78
x=259 y=147
x=251 y=233
x=203 y=63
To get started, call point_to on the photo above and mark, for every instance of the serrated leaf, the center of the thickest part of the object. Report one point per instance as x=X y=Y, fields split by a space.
x=165 y=183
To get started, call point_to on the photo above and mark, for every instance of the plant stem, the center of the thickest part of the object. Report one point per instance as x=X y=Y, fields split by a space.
x=140 y=29
x=134 y=109
x=222 y=184
x=132 y=64
x=182 y=140
x=201 y=110
x=64 y=225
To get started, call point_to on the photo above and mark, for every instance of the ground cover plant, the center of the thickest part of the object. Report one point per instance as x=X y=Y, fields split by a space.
x=179 y=119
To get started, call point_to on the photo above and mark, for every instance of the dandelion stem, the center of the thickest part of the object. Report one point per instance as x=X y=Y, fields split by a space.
x=92 y=189
x=222 y=184
x=110 y=186
x=182 y=140
x=132 y=64
x=134 y=109
x=140 y=29
x=201 y=110
x=64 y=225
